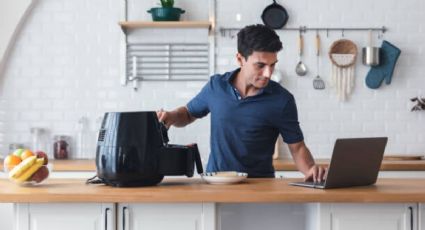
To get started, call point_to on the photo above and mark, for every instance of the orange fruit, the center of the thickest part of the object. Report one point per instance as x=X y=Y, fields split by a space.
x=26 y=153
x=11 y=161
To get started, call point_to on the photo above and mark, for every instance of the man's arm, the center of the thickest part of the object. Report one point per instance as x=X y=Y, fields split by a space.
x=179 y=117
x=305 y=162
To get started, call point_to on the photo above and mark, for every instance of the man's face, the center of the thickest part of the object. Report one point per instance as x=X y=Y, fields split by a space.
x=258 y=68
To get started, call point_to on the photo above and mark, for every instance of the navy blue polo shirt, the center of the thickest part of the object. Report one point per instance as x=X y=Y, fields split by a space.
x=244 y=130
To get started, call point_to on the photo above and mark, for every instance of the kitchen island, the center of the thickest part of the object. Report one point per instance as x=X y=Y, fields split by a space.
x=194 y=190
x=191 y=204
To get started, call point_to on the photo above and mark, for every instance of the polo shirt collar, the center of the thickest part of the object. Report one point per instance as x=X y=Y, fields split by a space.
x=231 y=75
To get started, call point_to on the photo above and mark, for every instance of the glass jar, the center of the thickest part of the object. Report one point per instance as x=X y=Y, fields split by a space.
x=61 y=147
x=37 y=139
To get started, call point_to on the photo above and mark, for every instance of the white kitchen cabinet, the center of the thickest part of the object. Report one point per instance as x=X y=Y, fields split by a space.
x=368 y=216
x=421 y=212
x=158 y=216
x=64 y=216
x=6 y=215
x=270 y=216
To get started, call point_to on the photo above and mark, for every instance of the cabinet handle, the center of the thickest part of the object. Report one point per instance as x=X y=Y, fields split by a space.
x=124 y=210
x=411 y=217
x=106 y=218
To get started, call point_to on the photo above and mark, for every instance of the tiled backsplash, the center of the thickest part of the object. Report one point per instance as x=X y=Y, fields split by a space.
x=65 y=65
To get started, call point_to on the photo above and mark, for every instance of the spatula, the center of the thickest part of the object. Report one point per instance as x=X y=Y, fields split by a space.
x=318 y=83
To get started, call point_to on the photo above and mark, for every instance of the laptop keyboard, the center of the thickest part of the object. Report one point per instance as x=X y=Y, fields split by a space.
x=312 y=183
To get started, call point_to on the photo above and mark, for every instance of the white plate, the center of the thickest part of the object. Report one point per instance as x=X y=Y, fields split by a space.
x=224 y=177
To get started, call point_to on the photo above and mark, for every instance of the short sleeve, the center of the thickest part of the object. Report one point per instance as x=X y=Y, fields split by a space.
x=199 y=105
x=289 y=127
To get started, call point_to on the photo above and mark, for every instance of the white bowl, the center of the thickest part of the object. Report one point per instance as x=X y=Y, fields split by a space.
x=224 y=177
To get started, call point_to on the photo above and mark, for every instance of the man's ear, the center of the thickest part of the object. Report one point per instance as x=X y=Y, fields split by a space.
x=240 y=59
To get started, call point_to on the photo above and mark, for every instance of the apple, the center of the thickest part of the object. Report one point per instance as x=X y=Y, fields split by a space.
x=41 y=154
x=18 y=152
x=39 y=175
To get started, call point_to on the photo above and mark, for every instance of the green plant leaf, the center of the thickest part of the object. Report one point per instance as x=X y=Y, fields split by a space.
x=167 y=3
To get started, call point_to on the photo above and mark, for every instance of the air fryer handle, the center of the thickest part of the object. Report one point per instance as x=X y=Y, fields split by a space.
x=198 y=161
x=164 y=133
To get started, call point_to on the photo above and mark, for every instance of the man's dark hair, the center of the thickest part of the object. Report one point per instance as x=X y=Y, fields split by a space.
x=257 y=38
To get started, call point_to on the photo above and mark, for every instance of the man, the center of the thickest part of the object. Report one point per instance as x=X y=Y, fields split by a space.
x=248 y=111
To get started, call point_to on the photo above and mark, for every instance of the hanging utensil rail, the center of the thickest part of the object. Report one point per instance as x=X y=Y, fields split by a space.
x=304 y=29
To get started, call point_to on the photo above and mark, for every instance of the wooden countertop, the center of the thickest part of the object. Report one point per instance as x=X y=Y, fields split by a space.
x=194 y=190
x=280 y=165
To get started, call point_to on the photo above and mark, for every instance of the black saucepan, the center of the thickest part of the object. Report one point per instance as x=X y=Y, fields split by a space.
x=274 y=16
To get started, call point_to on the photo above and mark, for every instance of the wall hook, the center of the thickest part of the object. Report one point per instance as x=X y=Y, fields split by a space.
x=381 y=33
x=420 y=103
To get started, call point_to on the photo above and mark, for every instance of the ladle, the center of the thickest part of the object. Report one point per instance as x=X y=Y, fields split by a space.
x=300 y=69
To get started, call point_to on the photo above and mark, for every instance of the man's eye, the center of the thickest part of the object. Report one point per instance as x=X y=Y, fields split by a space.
x=260 y=66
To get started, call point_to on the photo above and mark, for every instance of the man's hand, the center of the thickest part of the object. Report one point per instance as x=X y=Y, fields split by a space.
x=316 y=173
x=305 y=162
x=179 y=117
x=165 y=117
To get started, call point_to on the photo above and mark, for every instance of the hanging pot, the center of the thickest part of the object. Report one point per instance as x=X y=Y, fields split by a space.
x=274 y=16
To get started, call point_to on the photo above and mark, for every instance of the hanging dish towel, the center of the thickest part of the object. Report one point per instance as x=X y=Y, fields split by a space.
x=343 y=55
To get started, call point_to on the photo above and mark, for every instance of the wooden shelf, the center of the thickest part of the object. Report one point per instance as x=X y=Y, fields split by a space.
x=163 y=24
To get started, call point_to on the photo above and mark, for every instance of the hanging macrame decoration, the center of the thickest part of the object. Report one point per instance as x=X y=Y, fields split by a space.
x=343 y=55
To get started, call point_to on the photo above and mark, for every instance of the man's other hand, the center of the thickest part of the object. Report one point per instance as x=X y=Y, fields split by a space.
x=316 y=173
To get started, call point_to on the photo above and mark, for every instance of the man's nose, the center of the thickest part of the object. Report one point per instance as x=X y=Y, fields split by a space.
x=268 y=72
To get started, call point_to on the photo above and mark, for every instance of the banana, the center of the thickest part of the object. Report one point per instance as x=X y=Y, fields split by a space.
x=31 y=170
x=22 y=167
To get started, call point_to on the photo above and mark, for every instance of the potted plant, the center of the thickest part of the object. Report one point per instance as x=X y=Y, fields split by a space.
x=167 y=12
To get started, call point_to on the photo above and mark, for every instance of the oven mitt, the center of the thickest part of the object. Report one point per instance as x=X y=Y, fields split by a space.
x=387 y=59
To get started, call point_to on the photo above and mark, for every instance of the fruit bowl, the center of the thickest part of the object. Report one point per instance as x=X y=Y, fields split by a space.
x=36 y=178
x=27 y=168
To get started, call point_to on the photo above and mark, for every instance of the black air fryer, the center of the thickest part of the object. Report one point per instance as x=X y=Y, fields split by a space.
x=133 y=150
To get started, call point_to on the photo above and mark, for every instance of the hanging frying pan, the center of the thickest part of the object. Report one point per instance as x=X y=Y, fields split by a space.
x=274 y=16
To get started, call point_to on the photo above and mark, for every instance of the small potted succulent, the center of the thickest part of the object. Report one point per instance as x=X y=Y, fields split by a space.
x=167 y=12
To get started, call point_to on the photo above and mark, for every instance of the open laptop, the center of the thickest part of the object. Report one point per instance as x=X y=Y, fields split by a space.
x=355 y=162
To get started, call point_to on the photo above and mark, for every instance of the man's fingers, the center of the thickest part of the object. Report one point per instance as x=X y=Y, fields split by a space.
x=161 y=114
x=321 y=174
x=315 y=174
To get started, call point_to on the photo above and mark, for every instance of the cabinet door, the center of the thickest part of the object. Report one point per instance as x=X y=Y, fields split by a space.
x=64 y=216
x=421 y=221
x=371 y=216
x=158 y=216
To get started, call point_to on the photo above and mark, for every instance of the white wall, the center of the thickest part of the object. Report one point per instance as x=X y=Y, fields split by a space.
x=10 y=13
x=66 y=65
